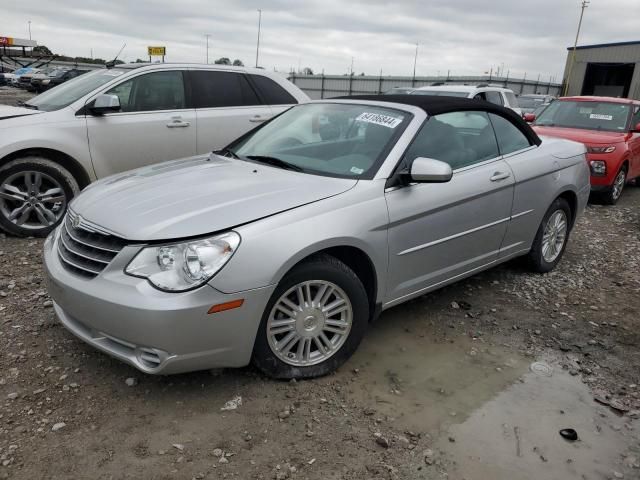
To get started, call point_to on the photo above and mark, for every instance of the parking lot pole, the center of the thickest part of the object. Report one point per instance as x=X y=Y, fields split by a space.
x=322 y=86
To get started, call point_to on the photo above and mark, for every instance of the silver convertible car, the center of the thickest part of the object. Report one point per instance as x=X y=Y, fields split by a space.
x=281 y=248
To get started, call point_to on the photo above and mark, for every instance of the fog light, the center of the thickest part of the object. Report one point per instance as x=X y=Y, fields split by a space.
x=598 y=167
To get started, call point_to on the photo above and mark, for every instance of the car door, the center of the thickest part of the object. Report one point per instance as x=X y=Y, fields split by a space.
x=441 y=231
x=153 y=124
x=227 y=106
x=532 y=191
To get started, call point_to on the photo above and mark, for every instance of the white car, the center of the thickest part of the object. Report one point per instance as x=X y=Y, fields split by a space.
x=498 y=95
x=117 y=119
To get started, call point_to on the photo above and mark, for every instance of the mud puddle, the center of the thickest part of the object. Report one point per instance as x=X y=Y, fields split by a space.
x=485 y=412
x=425 y=384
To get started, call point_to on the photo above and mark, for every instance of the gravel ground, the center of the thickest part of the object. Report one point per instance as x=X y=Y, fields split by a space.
x=68 y=411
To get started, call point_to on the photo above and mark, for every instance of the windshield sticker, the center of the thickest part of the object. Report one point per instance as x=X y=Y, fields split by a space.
x=356 y=170
x=585 y=111
x=379 y=119
x=598 y=116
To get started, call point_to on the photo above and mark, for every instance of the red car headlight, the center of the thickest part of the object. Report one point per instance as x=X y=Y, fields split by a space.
x=605 y=149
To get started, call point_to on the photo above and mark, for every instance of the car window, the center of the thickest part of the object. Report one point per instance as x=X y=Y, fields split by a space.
x=511 y=98
x=635 y=120
x=588 y=115
x=458 y=138
x=510 y=138
x=222 y=89
x=337 y=140
x=150 y=92
x=271 y=92
x=494 y=97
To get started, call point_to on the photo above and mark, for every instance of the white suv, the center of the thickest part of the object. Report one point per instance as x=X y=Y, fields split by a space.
x=497 y=95
x=116 y=119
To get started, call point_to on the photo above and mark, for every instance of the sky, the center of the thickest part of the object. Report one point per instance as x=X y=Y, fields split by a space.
x=465 y=37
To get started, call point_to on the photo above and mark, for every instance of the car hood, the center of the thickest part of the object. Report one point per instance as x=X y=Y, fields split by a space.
x=7 y=111
x=583 y=136
x=196 y=196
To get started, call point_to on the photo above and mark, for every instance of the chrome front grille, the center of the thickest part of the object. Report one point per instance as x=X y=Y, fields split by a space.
x=83 y=249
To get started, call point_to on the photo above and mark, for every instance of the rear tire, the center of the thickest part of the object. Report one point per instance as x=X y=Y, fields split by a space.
x=34 y=194
x=612 y=195
x=320 y=341
x=552 y=237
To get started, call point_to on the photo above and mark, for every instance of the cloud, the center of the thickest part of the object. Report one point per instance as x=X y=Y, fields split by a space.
x=462 y=36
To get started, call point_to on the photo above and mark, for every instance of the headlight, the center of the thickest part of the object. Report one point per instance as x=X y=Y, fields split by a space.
x=182 y=266
x=46 y=82
x=606 y=149
x=598 y=167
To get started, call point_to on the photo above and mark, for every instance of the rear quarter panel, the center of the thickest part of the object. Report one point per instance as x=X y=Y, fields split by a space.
x=542 y=174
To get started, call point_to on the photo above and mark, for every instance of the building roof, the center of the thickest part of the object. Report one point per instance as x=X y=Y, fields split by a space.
x=435 y=105
x=604 y=45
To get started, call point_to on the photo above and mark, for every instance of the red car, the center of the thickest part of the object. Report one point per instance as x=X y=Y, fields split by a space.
x=610 y=129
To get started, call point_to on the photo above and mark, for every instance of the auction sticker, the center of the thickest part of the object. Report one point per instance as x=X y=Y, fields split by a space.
x=379 y=119
x=598 y=116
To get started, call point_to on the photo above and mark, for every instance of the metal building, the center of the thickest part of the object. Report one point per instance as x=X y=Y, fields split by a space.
x=608 y=69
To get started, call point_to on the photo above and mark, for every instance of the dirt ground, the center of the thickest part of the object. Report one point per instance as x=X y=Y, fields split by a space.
x=470 y=382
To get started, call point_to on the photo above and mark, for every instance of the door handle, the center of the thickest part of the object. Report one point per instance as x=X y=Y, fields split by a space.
x=258 y=119
x=177 y=122
x=497 y=176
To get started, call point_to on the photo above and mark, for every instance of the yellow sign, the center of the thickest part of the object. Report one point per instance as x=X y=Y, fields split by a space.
x=157 y=51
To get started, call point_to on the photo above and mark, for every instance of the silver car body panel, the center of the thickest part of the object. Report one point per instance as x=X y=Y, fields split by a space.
x=195 y=196
x=418 y=238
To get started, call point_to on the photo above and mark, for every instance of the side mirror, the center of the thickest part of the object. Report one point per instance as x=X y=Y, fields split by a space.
x=429 y=170
x=529 y=117
x=105 y=104
x=636 y=129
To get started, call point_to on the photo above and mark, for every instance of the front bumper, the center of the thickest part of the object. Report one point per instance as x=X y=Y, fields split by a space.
x=156 y=332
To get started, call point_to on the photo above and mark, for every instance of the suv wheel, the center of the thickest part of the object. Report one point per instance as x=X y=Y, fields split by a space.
x=313 y=322
x=551 y=239
x=34 y=194
x=613 y=195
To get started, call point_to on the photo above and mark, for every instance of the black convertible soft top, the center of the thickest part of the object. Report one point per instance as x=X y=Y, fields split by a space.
x=435 y=105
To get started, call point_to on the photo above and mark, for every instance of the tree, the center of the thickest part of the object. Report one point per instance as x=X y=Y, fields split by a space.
x=223 y=61
x=42 y=50
x=307 y=71
x=238 y=63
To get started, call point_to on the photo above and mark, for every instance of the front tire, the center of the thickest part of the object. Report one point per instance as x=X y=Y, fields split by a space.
x=34 y=194
x=313 y=322
x=552 y=236
x=612 y=196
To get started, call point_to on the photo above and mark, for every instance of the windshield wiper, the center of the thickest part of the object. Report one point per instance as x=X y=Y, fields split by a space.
x=28 y=105
x=226 y=152
x=276 y=162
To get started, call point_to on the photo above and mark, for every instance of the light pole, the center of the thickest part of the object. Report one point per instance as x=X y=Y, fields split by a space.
x=207 y=35
x=585 y=4
x=29 y=22
x=415 y=61
x=258 y=42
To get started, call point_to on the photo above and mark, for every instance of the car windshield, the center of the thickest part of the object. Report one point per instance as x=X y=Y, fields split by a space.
x=67 y=93
x=608 y=116
x=440 y=93
x=530 y=102
x=331 y=139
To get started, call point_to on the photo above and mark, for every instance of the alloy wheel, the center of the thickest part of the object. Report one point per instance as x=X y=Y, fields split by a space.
x=309 y=323
x=554 y=236
x=618 y=184
x=32 y=200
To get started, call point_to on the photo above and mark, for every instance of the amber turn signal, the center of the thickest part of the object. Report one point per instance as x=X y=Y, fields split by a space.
x=221 y=307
